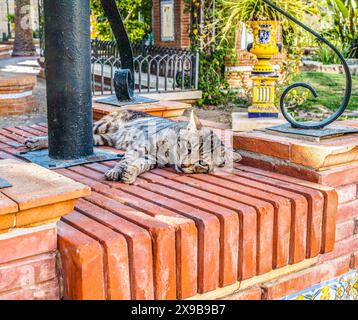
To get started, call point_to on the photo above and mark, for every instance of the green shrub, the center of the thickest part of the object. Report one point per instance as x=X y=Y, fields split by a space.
x=327 y=56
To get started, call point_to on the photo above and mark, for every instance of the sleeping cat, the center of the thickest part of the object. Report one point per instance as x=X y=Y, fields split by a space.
x=152 y=142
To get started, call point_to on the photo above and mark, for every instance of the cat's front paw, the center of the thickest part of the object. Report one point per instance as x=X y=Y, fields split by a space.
x=36 y=143
x=124 y=174
x=113 y=175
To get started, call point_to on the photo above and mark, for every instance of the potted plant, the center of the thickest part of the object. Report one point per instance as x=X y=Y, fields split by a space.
x=265 y=45
x=264 y=22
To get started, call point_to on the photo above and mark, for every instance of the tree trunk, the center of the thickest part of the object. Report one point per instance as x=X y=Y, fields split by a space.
x=23 y=44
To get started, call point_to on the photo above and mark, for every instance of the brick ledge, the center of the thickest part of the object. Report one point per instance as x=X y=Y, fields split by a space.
x=245 y=284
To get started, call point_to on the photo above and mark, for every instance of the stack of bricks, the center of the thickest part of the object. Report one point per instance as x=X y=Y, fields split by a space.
x=173 y=236
x=29 y=210
x=330 y=163
x=209 y=234
x=5 y=50
x=16 y=95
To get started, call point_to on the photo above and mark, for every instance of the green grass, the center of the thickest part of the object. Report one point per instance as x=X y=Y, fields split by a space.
x=330 y=88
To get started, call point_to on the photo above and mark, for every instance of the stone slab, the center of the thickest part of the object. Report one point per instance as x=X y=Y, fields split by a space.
x=34 y=186
x=112 y=100
x=162 y=108
x=242 y=123
x=332 y=131
x=321 y=155
x=7 y=205
x=189 y=96
x=43 y=159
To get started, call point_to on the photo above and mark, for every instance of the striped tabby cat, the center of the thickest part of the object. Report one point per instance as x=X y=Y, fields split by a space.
x=152 y=142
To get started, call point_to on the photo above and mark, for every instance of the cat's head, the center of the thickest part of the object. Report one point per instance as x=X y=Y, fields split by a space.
x=201 y=150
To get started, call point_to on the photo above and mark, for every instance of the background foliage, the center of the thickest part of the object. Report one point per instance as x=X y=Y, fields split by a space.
x=135 y=13
x=345 y=25
x=212 y=80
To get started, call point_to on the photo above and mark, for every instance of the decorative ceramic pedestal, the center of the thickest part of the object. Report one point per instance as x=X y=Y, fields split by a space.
x=264 y=97
x=265 y=46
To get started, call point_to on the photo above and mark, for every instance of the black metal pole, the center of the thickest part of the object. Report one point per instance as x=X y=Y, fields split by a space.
x=8 y=22
x=68 y=75
x=39 y=12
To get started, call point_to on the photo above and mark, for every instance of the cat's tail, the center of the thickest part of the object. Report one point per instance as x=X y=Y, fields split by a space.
x=102 y=140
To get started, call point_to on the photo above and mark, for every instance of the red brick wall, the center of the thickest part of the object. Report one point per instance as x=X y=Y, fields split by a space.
x=28 y=265
x=181 y=25
x=272 y=154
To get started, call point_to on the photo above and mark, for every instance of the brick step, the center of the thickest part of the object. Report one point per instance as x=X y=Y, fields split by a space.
x=173 y=236
x=296 y=282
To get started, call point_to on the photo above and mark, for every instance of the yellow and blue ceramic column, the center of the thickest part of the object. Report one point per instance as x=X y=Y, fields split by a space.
x=264 y=79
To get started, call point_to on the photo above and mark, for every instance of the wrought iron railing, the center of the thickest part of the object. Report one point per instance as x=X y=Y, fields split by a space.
x=156 y=69
x=348 y=90
x=110 y=49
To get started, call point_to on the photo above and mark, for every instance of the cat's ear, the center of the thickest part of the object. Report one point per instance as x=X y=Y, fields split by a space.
x=194 y=123
x=236 y=157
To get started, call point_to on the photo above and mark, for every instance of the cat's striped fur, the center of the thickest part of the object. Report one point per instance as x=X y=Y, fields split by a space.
x=152 y=142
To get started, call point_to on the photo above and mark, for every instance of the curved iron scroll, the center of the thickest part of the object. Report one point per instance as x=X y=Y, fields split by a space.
x=124 y=77
x=348 y=91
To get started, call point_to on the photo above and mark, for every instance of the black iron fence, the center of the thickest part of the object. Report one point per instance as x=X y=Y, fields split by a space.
x=156 y=69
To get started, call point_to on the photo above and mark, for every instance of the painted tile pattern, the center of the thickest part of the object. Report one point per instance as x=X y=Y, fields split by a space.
x=344 y=287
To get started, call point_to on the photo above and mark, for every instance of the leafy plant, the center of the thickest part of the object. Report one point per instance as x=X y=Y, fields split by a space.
x=11 y=18
x=345 y=21
x=212 y=81
x=327 y=56
x=36 y=34
x=234 y=12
